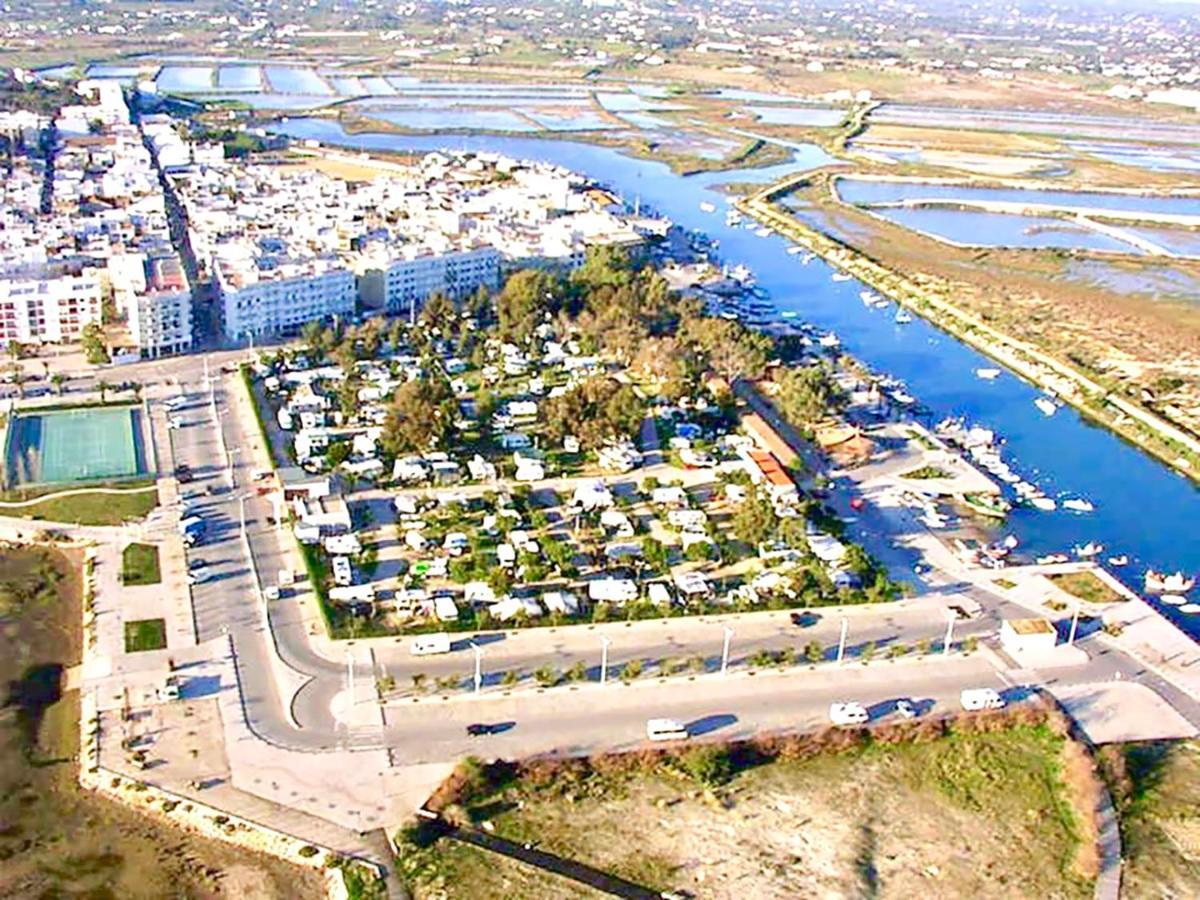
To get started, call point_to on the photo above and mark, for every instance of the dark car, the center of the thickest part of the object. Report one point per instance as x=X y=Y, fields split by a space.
x=183 y=474
x=196 y=563
x=805 y=619
x=477 y=729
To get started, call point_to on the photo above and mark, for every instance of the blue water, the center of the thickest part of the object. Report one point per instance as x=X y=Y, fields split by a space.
x=185 y=78
x=634 y=103
x=992 y=229
x=1178 y=241
x=859 y=191
x=1143 y=509
x=294 y=80
x=347 y=85
x=453 y=119
x=647 y=121
x=239 y=78
x=583 y=120
x=377 y=85
x=297 y=102
x=811 y=116
x=124 y=73
x=1154 y=159
x=439 y=101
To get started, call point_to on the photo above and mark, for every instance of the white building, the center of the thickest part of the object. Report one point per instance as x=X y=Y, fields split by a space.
x=406 y=282
x=43 y=305
x=155 y=299
x=267 y=301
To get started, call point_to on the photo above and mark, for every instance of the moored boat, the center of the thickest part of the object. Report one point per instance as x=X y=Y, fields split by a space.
x=1078 y=505
x=987 y=504
x=1118 y=561
x=1046 y=405
x=1088 y=550
x=987 y=374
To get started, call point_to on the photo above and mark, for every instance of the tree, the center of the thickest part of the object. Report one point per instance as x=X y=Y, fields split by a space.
x=91 y=339
x=416 y=420
x=814 y=652
x=708 y=764
x=729 y=348
x=654 y=552
x=596 y=411
x=59 y=380
x=337 y=453
x=524 y=301
x=808 y=394
x=755 y=520
x=439 y=314
x=103 y=387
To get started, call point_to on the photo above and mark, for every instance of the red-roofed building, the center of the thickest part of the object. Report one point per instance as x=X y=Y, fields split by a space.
x=766 y=471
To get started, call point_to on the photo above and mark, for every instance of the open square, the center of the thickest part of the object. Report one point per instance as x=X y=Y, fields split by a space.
x=84 y=444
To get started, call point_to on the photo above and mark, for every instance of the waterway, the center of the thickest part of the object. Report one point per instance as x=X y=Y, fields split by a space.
x=1143 y=509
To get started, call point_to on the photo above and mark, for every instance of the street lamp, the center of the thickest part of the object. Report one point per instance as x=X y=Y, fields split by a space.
x=949 y=633
x=1074 y=625
x=478 y=664
x=842 y=640
x=605 y=640
x=725 y=649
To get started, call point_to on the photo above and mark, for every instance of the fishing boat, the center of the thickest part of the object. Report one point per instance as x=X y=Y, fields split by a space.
x=987 y=504
x=1178 y=583
x=987 y=374
x=1043 y=503
x=1046 y=405
x=1052 y=559
x=1088 y=550
x=1174 y=600
x=792 y=251
x=903 y=397
x=1190 y=608
x=1118 y=561
x=808 y=257
x=842 y=276
x=788 y=314
x=829 y=340
x=903 y=317
x=1078 y=504
x=707 y=207
x=763 y=232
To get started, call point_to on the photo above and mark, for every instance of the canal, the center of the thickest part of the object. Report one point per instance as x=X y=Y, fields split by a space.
x=1142 y=508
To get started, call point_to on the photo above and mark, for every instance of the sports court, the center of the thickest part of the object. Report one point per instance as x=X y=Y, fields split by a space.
x=68 y=445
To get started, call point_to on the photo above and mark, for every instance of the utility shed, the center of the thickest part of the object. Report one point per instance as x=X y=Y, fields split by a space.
x=1022 y=637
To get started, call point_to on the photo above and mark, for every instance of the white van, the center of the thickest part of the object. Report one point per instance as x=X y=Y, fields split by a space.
x=848 y=714
x=666 y=730
x=343 y=575
x=981 y=698
x=425 y=644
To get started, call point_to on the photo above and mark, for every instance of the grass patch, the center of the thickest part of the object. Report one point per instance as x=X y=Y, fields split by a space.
x=926 y=472
x=1004 y=584
x=139 y=565
x=94 y=508
x=145 y=634
x=1086 y=586
x=1156 y=789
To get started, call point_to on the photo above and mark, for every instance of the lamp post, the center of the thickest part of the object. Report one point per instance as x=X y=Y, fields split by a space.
x=946 y=642
x=725 y=649
x=605 y=640
x=1074 y=625
x=478 y=666
x=842 y=640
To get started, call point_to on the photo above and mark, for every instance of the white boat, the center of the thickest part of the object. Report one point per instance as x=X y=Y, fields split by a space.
x=788 y=314
x=1046 y=405
x=1174 y=600
x=1052 y=559
x=842 y=276
x=707 y=207
x=1118 y=561
x=1043 y=503
x=1088 y=550
x=1190 y=608
x=808 y=257
x=763 y=232
x=829 y=340
x=1158 y=583
x=987 y=374
x=903 y=397
x=1078 y=505
x=903 y=317
x=792 y=251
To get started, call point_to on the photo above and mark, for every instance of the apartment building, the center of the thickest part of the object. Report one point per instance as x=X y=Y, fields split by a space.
x=402 y=284
x=48 y=304
x=259 y=297
x=153 y=295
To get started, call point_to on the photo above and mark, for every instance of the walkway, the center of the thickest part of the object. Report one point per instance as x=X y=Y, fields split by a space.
x=18 y=504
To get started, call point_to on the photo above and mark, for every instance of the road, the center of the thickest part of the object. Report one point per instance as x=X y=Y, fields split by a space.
x=594 y=718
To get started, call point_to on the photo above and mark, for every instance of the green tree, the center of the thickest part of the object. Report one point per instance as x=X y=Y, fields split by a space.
x=59 y=380
x=814 y=652
x=596 y=411
x=654 y=552
x=524 y=301
x=808 y=394
x=707 y=764
x=417 y=420
x=755 y=520
x=91 y=340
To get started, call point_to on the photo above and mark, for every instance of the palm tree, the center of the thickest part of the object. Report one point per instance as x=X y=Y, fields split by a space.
x=45 y=368
x=59 y=380
x=103 y=387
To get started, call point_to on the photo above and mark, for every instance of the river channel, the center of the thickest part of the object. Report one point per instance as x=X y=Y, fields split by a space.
x=1142 y=508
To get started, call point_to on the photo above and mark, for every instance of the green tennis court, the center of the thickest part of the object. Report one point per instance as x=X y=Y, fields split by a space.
x=75 y=445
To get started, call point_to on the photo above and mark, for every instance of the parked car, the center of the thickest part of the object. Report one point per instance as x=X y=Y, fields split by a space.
x=665 y=730
x=981 y=698
x=905 y=709
x=183 y=474
x=850 y=713
x=478 y=729
x=197 y=563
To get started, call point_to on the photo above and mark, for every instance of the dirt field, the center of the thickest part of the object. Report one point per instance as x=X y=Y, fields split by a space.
x=56 y=840
x=966 y=815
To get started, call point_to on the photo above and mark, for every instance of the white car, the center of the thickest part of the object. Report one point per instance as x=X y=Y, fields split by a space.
x=343 y=574
x=905 y=709
x=174 y=422
x=199 y=575
x=666 y=730
x=848 y=714
x=981 y=698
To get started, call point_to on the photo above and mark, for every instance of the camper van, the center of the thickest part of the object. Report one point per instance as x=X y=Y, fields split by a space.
x=981 y=698
x=426 y=644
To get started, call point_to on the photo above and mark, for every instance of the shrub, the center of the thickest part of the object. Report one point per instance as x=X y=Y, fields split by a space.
x=631 y=670
x=709 y=765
